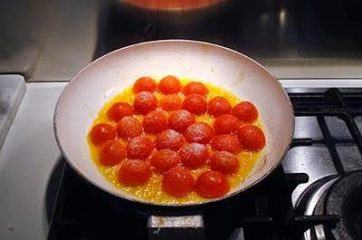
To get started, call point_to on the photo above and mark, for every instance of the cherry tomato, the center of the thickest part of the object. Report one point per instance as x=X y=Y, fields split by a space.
x=245 y=111
x=226 y=123
x=212 y=184
x=119 y=110
x=195 y=87
x=225 y=162
x=199 y=132
x=101 y=133
x=129 y=127
x=165 y=159
x=195 y=103
x=145 y=102
x=140 y=147
x=193 y=155
x=144 y=84
x=180 y=120
x=170 y=85
x=112 y=152
x=218 y=106
x=155 y=122
x=134 y=172
x=170 y=139
x=226 y=142
x=178 y=182
x=251 y=137
x=171 y=102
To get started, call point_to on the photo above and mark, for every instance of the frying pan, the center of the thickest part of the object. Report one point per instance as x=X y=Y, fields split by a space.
x=104 y=78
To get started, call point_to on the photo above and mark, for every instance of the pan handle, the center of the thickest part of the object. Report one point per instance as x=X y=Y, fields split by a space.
x=176 y=227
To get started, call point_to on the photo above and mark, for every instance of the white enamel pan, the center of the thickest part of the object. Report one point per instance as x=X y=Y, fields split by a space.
x=98 y=82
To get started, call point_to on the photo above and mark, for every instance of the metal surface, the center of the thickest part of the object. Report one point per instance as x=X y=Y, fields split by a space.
x=195 y=221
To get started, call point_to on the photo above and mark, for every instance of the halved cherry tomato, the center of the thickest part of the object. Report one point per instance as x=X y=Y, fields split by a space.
x=212 y=184
x=140 y=147
x=169 y=85
x=170 y=139
x=245 y=111
x=199 y=132
x=178 y=182
x=129 y=127
x=225 y=162
x=112 y=152
x=134 y=172
x=252 y=137
x=180 y=120
x=165 y=159
x=155 y=122
x=218 y=106
x=195 y=87
x=226 y=142
x=226 y=123
x=119 y=110
x=171 y=102
x=193 y=155
x=145 y=102
x=144 y=84
x=101 y=133
x=195 y=103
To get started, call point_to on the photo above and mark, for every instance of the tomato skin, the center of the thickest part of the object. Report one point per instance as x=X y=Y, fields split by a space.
x=155 y=122
x=195 y=87
x=101 y=133
x=170 y=139
x=199 y=132
x=225 y=162
x=169 y=85
x=165 y=159
x=193 y=155
x=195 y=104
x=140 y=147
x=129 y=127
x=212 y=184
x=178 y=182
x=134 y=172
x=180 y=120
x=252 y=137
x=144 y=103
x=245 y=111
x=218 y=106
x=144 y=84
x=226 y=142
x=119 y=110
x=226 y=123
x=112 y=152
x=171 y=102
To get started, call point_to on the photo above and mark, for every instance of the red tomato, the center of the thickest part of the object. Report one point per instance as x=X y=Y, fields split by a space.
x=101 y=133
x=195 y=87
x=178 y=182
x=119 y=110
x=171 y=102
x=193 y=155
x=155 y=122
x=112 y=152
x=199 y=132
x=225 y=162
x=134 y=172
x=245 y=111
x=165 y=159
x=170 y=139
x=251 y=137
x=170 y=85
x=226 y=142
x=226 y=124
x=212 y=184
x=195 y=103
x=140 y=147
x=145 y=102
x=129 y=127
x=180 y=120
x=218 y=106
x=144 y=84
